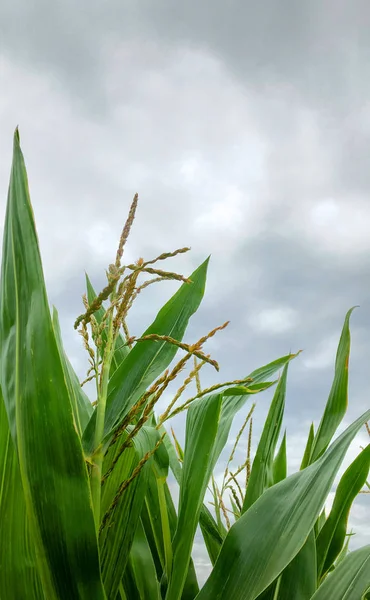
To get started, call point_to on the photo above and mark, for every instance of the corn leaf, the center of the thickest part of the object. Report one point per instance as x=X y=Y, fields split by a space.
x=117 y=536
x=18 y=569
x=299 y=580
x=350 y=580
x=81 y=405
x=336 y=405
x=332 y=535
x=279 y=468
x=140 y=578
x=201 y=431
x=148 y=359
x=308 y=449
x=261 y=544
x=261 y=473
x=52 y=466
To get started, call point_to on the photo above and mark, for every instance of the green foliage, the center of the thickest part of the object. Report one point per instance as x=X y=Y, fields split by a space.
x=86 y=504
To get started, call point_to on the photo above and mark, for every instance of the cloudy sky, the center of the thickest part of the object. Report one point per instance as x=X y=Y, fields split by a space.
x=245 y=128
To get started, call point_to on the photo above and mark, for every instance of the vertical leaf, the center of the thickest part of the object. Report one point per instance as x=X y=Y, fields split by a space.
x=81 y=405
x=336 y=405
x=261 y=473
x=201 y=430
x=39 y=411
x=18 y=570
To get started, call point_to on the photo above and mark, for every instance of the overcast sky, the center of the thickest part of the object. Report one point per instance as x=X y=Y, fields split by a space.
x=245 y=128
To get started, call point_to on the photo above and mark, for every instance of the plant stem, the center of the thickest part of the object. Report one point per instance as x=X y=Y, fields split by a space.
x=98 y=456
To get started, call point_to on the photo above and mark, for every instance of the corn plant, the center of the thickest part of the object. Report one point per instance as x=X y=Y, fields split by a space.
x=85 y=506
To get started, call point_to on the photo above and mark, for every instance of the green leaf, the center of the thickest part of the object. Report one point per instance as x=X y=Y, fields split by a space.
x=140 y=579
x=298 y=579
x=336 y=405
x=350 y=580
x=81 y=405
x=201 y=430
x=117 y=536
x=279 y=468
x=261 y=544
x=40 y=416
x=308 y=449
x=148 y=359
x=261 y=473
x=18 y=570
x=332 y=535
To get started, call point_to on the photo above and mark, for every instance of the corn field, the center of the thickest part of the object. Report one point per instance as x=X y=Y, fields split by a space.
x=86 y=510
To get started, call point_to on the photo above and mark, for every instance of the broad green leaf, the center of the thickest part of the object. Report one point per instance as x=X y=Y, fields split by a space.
x=201 y=430
x=261 y=473
x=211 y=534
x=336 y=405
x=279 y=468
x=18 y=570
x=148 y=359
x=333 y=533
x=261 y=544
x=350 y=580
x=81 y=405
x=117 y=536
x=140 y=578
x=39 y=411
x=298 y=580
x=121 y=349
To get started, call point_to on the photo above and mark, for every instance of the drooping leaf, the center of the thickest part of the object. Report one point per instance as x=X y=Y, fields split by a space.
x=39 y=411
